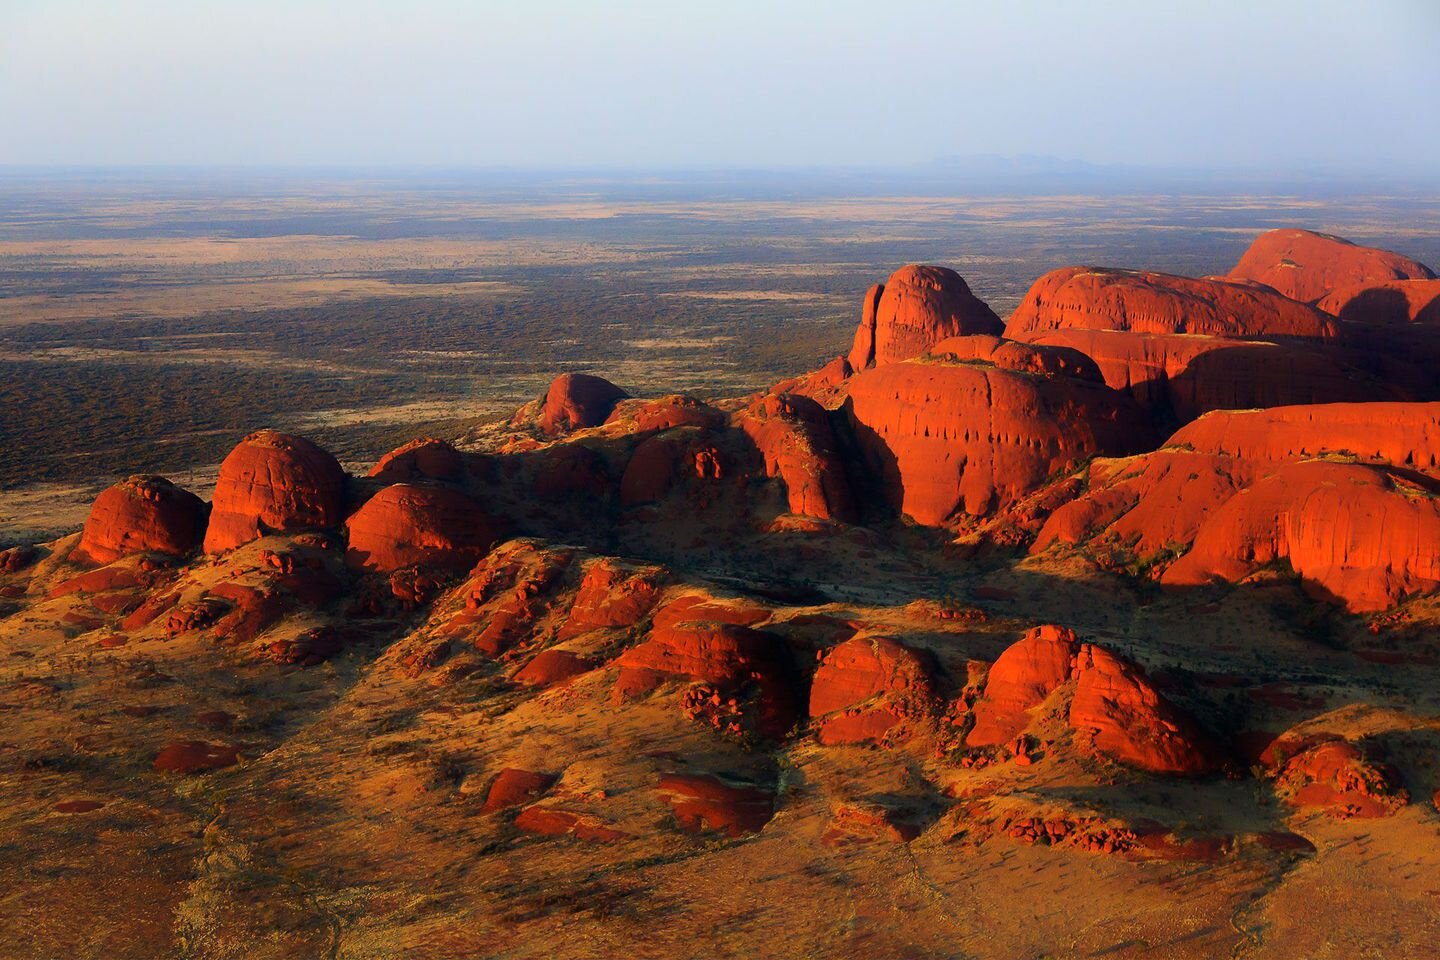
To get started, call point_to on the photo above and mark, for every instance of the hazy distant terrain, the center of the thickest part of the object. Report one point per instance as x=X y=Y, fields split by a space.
x=146 y=324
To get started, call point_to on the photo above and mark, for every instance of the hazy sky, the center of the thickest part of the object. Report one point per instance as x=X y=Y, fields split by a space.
x=718 y=82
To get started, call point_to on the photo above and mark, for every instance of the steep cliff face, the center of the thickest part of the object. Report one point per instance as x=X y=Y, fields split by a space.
x=917 y=307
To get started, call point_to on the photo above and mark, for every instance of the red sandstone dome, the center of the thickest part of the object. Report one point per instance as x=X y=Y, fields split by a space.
x=951 y=438
x=1024 y=675
x=1181 y=376
x=1393 y=302
x=424 y=459
x=867 y=686
x=411 y=525
x=578 y=400
x=1403 y=434
x=274 y=483
x=141 y=515
x=1361 y=534
x=1120 y=714
x=918 y=306
x=1098 y=298
x=1307 y=266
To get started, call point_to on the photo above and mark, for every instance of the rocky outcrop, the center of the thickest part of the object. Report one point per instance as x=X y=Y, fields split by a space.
x=1336 y=776
x=705 y=802
x=1116 y=711
x=793 y=436
x=578 y=400
x=424 y=459
x=732 y=662
x=1404 y=434
x=1019 y=680
x=1178 y=377
x=613 y=594
x=1307 y=266
x=1361 y=535
x=141 y=515
x=412 y=525
x=866 y=688
x=1392 y=303
x=274 y=483
x=946 y=439
x=917 y=307
x=1098 y=298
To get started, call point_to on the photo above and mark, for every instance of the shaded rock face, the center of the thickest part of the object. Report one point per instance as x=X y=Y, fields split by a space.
x=578 y=400
x=684 y=460
x=1180 y=376
x=948 y=439
x=1097 y=298
x=141 y=515
x=1043 y=359
x=704 y=802
x=424 y=459
x=1391 y=303
x=866 y=687
x=1120 y=714
x=1361 y=535
x=1307 y=266
x=552 y=668
x=1023 y=676
x=411 y=525
x=917 y=307
x=274 y=483
x=794 y=438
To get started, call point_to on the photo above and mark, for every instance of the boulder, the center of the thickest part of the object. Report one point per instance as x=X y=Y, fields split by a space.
x=917 y=307
x=412 y=525
x=704 y=802
x=1306 y=266
x=1335 y=776
x=553 y=668
x=274 y=483
x=141 y=515
x=1098 y=298
x=513 y=787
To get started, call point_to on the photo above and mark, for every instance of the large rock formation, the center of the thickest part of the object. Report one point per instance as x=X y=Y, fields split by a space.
x=423 y=459
x=1099 y=298
x=950 y=438
x=1181 y=376
x=1307 y=266
x=578 y=400
x=918 y=306
x=141 y=515
x=274 y=483
x=411 y=525
x=1403 y=434
x=1360 y=534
